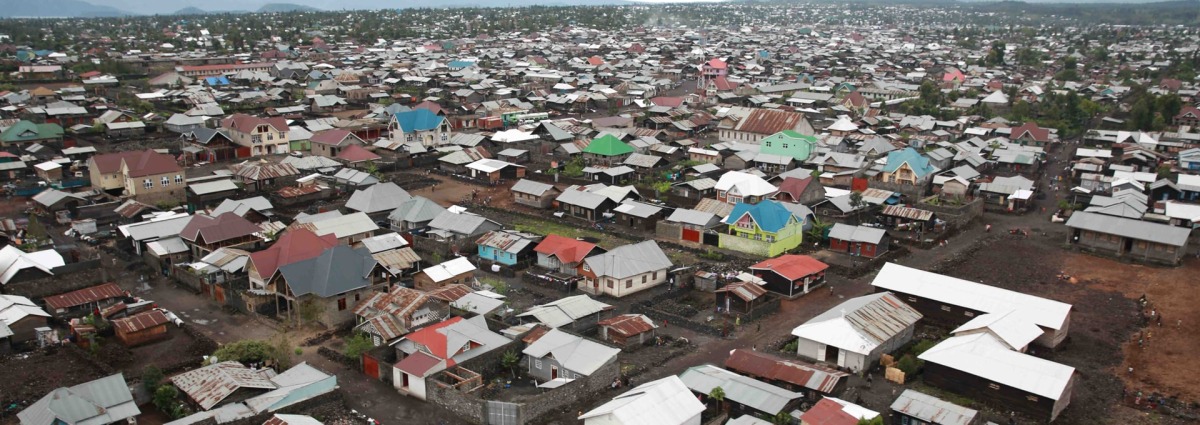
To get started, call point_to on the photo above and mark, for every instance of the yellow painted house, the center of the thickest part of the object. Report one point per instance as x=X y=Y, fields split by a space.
x=766 y=228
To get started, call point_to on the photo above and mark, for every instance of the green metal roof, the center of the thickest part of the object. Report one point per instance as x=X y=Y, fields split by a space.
x=608 y=145
x=24 y=131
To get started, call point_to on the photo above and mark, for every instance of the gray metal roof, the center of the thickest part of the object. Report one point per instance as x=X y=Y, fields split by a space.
x=417 y=209
x=531 y=187
x=629 y=260
x=574 y=352
x=743 y=390
x=465 y=224
x=581 y=198
x=637 y=209
x=566 y=310
x=1129 y=228
x=693 y=217
x=337 y=270
x=105 y=400
x=378 y=198
x=850 y=233
x=932 y=409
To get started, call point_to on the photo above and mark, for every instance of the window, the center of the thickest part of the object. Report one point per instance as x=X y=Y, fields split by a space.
x=945 y=308
x=1032 y=398
x=610 y=284
x=256 y=139
x=912 y=299
x=178 y=179
x=771 y=238
x=166 y=181
x=148 y=183
x=654 y=275
x=445 y=137
x=356 y=297
x=341 y=304
x=968 y=314
x=644 y=277
x=785 y=145
x=994 y=386
x=537 y=363
x=628 y=283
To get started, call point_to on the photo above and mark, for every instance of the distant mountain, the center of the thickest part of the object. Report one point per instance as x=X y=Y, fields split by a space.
x=55 y=8
x=285 y=7
x=191 y=10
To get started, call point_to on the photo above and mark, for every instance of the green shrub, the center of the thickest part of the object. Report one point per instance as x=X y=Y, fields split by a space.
x=922 y=346
x=791 y=347
x=909 y=364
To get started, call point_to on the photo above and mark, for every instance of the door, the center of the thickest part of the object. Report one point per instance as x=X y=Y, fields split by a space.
x=833 y=354
x=841 y=356
x=553 y=372
x=371 y=368
x=404 y=384
x=691 y=235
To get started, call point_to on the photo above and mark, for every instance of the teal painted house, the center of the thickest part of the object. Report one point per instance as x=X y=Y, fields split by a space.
x=789 y=143
x=507 y=247
x=906 y=166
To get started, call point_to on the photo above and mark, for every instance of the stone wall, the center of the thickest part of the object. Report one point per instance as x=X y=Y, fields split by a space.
x=470 y=406
x=445 y=249
x=956 y=215
x=535 y=407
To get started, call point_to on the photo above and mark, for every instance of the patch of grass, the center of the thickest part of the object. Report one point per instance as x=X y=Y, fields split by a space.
x=568 y=230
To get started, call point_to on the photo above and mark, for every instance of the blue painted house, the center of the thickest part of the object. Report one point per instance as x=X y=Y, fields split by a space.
x=508 y=247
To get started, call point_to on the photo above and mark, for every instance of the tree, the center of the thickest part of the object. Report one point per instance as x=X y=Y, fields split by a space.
x=509 y=360
x=165 y=398
x=358 y=344
x=718 y=394
x=151 y=378
x=877 y=420
x=660 y=187
x=278 y=351
x=857 y=203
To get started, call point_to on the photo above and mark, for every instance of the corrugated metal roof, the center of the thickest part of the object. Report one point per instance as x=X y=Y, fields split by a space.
x=932 y=409
x=747 y=291
x=85 y=296
x=907 y=213
x=566 y=310
x=743 y=390
x=860 y=324
x=140 y=322
x=209 y=385
x=809 y=376
x=629 y=324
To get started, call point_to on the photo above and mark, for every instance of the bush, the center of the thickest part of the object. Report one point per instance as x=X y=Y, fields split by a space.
x=791 y=347
x=151 y=377
x=165 y=398
x=358 y=344
x=922 y=346
x=909 y=364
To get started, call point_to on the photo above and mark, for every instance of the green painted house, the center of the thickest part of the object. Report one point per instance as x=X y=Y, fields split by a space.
x=607 y=150
x=766 y=228
x=28 y=132
x=789 y=143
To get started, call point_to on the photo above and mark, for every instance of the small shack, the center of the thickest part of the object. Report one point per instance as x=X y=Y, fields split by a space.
x=141 y=328
x=628 y=330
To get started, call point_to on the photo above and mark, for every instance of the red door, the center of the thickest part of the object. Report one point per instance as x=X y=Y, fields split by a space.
x=691 y=235
x=219 y=294
x=371 y=368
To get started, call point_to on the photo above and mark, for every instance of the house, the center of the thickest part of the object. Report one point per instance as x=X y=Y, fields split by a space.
x=330 y=143
x=607 y=150
x=349 y=229
x=507 y=247
x=791 y=275
x=231 y=381
x=584 y=202
x=378 y=200
x=832 y=411
x=665 y=401
x=1134 y=239
x=494 y=171
x=766 y=229
x=451 y=226
x=534 y=194
x=282 y=419
x=983 y=368
x=415 y=213
x=390 y=315
x=564 y=255
x=20 y=318
x=737 y=187
x=439 y=347
x=855 y=333
x=1029 y=134
x=258 y=136
x=26 y=133
x=1189 y=159
x=1188 y=115
x=793 y=375
x=329 y=284
x=952 y=302
x=578 y=313
x=907 y=167
x=740 y=297
x=804 y=191
x=205 y=234
x=141 y=328
x=760 y=124
x=560 y=355
x=102 y=401
x=790 y=144
x=293 y=246
x=84 y=301
x=742 y=391
x=257 y=209
x=861 y=241
x=17 y=265
x=209 y=386
x=625 y=270
x=627 y=330
x=458 y=271
x=147 y=176
x=420 y=126
x=913 y=407
x=637 y=215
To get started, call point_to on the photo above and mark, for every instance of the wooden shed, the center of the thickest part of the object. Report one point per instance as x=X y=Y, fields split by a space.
x=141 y=328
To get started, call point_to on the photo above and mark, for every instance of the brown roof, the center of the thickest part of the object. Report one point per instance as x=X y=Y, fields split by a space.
x=246 y=123
x=139 y=163
x=356 y=153
x=333 y=137
x=757 y=364
x=450 y=293
x=140 y=322
x=206 y=229
x=767 y=121
x=1035 y=132
x=794 y=187
x=628 y=324
x=535 y=334
x=294 y=245
x=85 y=296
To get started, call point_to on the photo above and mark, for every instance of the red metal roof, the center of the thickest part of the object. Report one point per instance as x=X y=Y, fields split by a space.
x=85 y=296
x=432 y=339
x=417 y=364
x=628 y=324
x=827 y=412
x=769 y=121
x=566 y=249
x=294 y=245
x=1034 y=132
x=356 y=153
x=140 y=322
x=794 y=187
x=793 y=372
x=791 y=266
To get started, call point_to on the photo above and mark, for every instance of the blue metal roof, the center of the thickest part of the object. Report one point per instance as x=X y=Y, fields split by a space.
x=418 y=120
x=770 y=216
x=919 y=164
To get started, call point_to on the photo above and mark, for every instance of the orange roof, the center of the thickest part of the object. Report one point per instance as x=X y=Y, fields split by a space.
x=356 y=153
x=792 y=266
x=566 y=249
x=435 y=341
x=140 y=163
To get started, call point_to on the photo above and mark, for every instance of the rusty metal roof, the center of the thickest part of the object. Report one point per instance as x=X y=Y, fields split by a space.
x=396 y=260
x=747 y=291
x=809 y=376
x=767 y=122
x=907 y=212
x=297 y=191
x=451 y=293
x=84 y=296
x=209 y=385
x=860 y=324
x=629 y=324
x=263 y=170
x=140 y=322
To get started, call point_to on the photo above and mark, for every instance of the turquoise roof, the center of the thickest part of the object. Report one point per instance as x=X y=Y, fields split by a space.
x=460 y=64
x=919 y=164
x=418 y=120
x=771 y=216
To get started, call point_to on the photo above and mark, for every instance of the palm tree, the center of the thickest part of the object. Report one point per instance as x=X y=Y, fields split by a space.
x=718 y=394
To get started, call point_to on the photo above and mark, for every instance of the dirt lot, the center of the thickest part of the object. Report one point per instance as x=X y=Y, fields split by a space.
x=179 y=350
x=28 y=377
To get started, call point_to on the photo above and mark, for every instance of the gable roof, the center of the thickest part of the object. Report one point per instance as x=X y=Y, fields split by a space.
x=295 y=245
x=573 y=352
x=985 y=356
x=1044 y=312
x=666 y=401
x=741 y=389
x=13 y=260
x=1129 y=228
x=567 y=250
x=419 y=119
x=566 y=310
x=247 y=123
x=831 y=411
x=140 y=163
x=209 y=385
x=334 y=137
x=378 y=197
x=851 y=233
x=918 y=163
x=745 y=184
x=629 y=260
x=932 y=409
x=770 y=216
x=756 y=363
x=337 y=270
x=1034 y=132
x=208 y=229
x=771 y=121
x=84 y=296
x=860 y=324
x=102 y=401
x=792 y=266
x=446 y=344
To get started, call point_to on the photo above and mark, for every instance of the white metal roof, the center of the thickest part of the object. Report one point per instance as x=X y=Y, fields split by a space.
x=1044 y=312
x=985 y=356
x=13 y=260
x=860 y=324
x=574 y=352
x=449 y=269
x=666 y=401
x=1008 y=326
x=744 y=390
